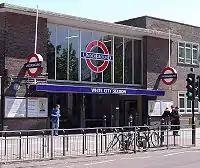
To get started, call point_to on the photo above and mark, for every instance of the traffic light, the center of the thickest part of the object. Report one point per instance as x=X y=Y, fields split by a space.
x=198 y=88
x=191 y=91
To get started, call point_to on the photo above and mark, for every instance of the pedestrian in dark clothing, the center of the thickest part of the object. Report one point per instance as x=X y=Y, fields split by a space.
x=166 y=116
x=175 y=121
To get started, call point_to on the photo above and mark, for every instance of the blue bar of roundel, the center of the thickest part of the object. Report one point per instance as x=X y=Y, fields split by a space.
x=96 y=90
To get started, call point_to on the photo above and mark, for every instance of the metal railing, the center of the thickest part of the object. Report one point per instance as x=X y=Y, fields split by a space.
x=42 y=144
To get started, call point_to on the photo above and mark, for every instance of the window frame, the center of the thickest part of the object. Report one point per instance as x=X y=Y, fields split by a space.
x=192 y=49
x=185 y=104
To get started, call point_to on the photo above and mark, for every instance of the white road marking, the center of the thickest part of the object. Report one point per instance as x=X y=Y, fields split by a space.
x=170 y=154
x=93 y=163
x=144 y=157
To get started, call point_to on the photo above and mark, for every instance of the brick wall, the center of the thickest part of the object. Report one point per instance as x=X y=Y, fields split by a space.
x=188 y=33
x=20 y=40
x=2 y=42
x=19 y=44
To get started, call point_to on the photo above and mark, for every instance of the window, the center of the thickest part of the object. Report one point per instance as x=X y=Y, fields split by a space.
x=188 y=53
x=185 y=106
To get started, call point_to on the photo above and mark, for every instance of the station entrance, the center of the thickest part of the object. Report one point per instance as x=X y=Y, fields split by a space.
x=96 y=110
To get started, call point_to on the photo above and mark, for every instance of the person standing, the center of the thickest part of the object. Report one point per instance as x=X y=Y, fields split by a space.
x=175 y=121
x=55 y=114
x=166 y=116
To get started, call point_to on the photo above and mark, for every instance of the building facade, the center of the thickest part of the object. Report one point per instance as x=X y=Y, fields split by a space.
x=184 y=56
x=95 y=69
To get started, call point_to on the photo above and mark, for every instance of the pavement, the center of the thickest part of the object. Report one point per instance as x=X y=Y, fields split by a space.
x=176 y=158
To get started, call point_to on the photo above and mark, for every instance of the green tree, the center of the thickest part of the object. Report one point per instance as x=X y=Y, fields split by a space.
x=61 y=61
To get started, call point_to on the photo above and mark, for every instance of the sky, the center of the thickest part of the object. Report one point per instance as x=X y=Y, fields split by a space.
x=116 y=10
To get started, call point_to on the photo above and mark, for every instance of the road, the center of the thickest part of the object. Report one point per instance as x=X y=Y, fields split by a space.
x=177 y=158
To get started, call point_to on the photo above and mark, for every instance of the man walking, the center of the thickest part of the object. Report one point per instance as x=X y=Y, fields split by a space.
x=55 y=114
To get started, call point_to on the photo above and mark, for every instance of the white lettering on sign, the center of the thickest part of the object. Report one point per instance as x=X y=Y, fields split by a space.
x=119 y=91
x=108 y=91
x=97 y=90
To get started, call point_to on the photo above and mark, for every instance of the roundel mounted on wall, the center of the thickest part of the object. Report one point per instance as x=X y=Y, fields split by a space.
x=34 y=64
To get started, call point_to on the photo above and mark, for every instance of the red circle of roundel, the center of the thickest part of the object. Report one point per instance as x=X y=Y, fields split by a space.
x=33 y=74
x=172 y=80
x=101 y=68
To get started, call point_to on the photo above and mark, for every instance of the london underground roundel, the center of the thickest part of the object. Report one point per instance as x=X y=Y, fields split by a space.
x=169 y=75
x=34 y=64
x=88 y=55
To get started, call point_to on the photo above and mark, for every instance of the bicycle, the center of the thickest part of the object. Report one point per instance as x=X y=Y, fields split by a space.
x=126 y=140
x=152 y=136
x=117 y=138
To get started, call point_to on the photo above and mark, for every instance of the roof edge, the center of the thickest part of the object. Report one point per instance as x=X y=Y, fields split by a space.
x=46 y=14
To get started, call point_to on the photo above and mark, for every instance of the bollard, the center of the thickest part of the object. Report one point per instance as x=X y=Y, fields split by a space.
x=112 y=119
x=149 y=120
x=5 y=144
x=83 y=150
x=135 y=139
x=105 y=139
x=101 y=140
x=123 y=147
x=63 y=142
x=27 y=145
x=97 y=142
x=104 y=120
x=52 y=133
x=20 y=145
x=67 y=141
x=162 y=131
x=43 y=144
x=167 y=136
x=130 y=121
x=48 y=143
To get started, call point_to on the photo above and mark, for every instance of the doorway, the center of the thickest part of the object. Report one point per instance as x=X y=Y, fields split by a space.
x=131 y=109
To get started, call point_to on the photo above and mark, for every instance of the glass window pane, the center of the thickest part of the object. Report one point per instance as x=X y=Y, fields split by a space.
x=61 y=53
x=182 y=55
x=118 y=59
x=51 y=51
x=182 y=44
x=188 y=55
x=188 y=46
x=181 y=102
x=195 y=46
x=181 y=95
x=188 y=104
x=86 y=38
x=195 y=54
x=107 y=73
x=137 y=62
x=195 y=62
x=73 y=53
x=128 y=45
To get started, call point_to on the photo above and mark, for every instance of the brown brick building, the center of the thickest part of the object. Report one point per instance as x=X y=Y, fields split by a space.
x=138 y=50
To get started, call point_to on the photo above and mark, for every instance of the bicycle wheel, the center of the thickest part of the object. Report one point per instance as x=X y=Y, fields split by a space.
x=155 y=139
x=112 y=143
x=141 y=142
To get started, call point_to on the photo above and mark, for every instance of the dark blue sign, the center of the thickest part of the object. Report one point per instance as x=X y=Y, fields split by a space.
x=95 y=90
x=96 y=56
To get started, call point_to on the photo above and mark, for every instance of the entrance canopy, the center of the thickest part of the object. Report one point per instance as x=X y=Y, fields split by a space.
x=95 y=90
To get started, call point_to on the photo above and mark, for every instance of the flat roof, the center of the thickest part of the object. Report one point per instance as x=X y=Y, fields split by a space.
x=84 y=23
